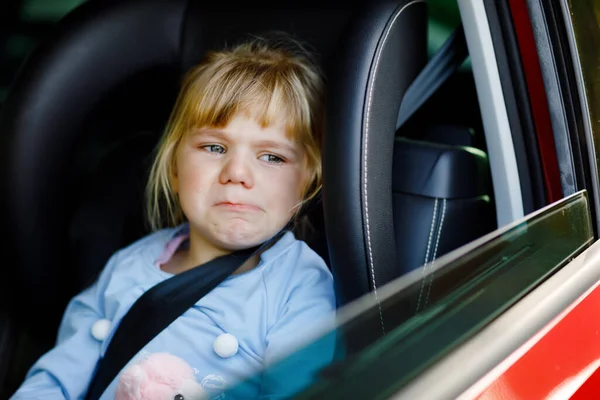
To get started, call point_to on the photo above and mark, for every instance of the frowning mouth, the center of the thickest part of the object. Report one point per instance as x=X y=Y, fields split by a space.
x=227 y=205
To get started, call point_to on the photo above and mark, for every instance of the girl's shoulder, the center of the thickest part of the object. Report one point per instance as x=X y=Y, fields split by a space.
x=291 y=262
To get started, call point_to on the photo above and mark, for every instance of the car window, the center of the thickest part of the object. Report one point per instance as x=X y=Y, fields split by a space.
x=583 y=17
x=433 y=310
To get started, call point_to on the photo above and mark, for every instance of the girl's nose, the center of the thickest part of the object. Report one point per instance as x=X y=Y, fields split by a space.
x=236 y=170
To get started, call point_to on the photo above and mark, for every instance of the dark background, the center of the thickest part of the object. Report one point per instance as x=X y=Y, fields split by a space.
x=24 y=24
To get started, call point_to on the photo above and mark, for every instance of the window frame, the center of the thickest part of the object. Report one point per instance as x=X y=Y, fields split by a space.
x=492 y=103
x=569 y=114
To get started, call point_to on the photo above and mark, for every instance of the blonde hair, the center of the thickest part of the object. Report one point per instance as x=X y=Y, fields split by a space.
x=267 y=78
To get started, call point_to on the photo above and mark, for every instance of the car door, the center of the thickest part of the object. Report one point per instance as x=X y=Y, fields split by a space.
x=476 y=313
x=561 y=359
x=545 y=345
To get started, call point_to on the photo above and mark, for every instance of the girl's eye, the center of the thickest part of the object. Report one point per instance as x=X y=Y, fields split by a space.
x=271 y=159
x=214 y=148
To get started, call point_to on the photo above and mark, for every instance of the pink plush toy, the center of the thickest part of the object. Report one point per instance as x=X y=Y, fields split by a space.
x=160 y=376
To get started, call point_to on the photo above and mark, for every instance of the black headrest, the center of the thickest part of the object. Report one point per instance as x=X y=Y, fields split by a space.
x=317 y=23
x=439 y=170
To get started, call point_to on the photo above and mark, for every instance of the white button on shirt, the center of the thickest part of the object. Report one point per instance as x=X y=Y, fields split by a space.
x=226 y=345
x=101 y=329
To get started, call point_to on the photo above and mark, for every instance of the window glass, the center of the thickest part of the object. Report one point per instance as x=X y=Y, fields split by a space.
x=430 y=312
x=585 y=19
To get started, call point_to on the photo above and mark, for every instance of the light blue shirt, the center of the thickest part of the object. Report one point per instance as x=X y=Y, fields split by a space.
x=271 y=310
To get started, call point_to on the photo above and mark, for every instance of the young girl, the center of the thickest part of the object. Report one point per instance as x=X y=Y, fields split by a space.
x=240 y=156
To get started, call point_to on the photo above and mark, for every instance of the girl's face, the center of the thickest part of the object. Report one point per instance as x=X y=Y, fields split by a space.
x=238 y=185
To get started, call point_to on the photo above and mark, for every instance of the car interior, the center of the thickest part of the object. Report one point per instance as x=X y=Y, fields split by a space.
x=84 y=112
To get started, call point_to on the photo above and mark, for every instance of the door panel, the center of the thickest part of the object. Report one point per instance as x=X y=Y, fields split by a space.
x=559 y=362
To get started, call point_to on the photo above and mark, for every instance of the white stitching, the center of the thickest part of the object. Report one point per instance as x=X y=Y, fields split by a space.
x=437 y=242
x=425 y=265
x=439 y=233
x=370 y=97
x=435 y=206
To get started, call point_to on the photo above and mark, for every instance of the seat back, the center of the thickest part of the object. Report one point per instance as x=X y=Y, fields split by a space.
x=376 y=63
x=393 y=205
x=441 y=200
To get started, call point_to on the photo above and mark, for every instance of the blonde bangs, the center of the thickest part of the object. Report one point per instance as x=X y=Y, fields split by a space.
x=266 y=93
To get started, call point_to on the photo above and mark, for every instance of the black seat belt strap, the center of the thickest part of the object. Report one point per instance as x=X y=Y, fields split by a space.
x=440 y=67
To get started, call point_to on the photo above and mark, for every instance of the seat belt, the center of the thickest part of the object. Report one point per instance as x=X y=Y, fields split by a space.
x=158 y=307
x=440 y=67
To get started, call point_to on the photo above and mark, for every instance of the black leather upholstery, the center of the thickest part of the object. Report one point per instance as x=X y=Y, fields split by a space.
x=369 y=80
x=441 y=200
x=46 y=116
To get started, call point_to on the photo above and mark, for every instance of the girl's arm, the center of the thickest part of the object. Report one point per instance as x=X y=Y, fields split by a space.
x=308 y=311
x=66 y=371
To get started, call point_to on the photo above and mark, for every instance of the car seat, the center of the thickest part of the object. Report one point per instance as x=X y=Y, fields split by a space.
x=89 y=105
x=394 y=199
